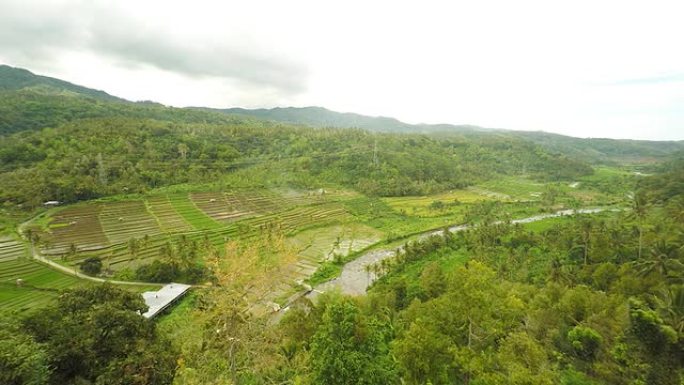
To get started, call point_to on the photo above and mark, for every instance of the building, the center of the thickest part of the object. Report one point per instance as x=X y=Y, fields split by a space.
x=158 y=301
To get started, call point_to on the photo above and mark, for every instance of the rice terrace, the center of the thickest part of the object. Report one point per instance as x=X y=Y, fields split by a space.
x=322 y=225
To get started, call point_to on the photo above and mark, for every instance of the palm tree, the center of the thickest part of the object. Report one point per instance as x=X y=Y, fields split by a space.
x=639 y=212
x=582 y=239
x=671 y=305
x=663 y=261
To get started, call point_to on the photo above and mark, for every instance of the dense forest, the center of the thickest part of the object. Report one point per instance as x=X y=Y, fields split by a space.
x=83 y=153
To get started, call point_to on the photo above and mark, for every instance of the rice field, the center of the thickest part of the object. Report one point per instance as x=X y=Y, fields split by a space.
x=424 y=205
x=168 y=218
x=321 y=244
x=105 y=229
x=11 y=249
x=40 y=284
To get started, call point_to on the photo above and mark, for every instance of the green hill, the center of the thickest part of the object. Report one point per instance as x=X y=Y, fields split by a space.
x=322 y=117
x=15 y=79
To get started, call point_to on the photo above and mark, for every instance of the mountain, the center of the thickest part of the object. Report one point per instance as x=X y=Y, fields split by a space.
x=29 y=101
x=17 y=79
x=322 y=117
x=603 y=150
x=597 y=150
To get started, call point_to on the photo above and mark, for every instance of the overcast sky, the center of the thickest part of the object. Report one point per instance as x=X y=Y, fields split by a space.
x=583 y=68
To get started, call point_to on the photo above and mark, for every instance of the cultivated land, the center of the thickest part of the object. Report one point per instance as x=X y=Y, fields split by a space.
x=323 y=225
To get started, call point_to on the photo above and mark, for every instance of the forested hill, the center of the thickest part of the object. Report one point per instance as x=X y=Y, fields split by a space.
x=611 y=151
x=322 y=117
x=29 y=101
x=14 y=79
x=604 y=150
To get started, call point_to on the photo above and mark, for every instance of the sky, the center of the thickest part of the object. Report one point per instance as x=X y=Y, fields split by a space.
x=597 y=68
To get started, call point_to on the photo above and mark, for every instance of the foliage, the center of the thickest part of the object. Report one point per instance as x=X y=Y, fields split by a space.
x=349 y=348
x=98 y=334
x=22 y=360
x=91 y=266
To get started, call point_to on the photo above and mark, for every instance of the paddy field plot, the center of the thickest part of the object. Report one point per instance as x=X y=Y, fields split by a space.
x=122 y=221
x=424 y=205
x=78 y=226
x=11 y=249
x=322 y=244
x=169 y=219
x=40 y=284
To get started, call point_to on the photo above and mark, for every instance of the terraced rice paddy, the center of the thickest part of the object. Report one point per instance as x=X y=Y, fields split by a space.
x=191 y=213
x=107 y=227
x=40 y=284
x=11 y=249
x=322 y=244
x=79 y=226
x=122 y=221
x=168 y=218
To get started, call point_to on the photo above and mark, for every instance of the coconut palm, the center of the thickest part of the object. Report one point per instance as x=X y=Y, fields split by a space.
x=639 y=213
x=663 y=260
x=671 y=305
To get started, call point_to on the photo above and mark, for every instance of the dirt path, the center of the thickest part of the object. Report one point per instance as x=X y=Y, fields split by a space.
x=75 y=273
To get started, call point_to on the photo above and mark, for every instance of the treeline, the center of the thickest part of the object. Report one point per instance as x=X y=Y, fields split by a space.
x=79 y=155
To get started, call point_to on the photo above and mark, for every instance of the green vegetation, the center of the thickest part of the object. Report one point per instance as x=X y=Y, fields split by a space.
x=566 y=300
x=256 y=212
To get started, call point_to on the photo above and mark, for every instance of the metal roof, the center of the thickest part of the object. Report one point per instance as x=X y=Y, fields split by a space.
x=161 y=299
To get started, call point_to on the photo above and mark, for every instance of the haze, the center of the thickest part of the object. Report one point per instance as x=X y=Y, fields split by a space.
x=588 y=69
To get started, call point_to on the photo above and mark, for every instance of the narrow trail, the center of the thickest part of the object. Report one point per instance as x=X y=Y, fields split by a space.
x=75 y=273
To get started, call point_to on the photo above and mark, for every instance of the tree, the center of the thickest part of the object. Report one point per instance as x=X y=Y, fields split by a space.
x=639 y=212
x=91 y=266
x=432 y=280
x=663 y=260
x=22 y=360
x=91 y=331
x=585 y=341
x=425 y=354
x=133 y=247
x=349 y=348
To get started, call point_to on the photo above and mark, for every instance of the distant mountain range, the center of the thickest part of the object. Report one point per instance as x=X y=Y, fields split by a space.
x=322 y=117
x=589 y=149
x=592 y=149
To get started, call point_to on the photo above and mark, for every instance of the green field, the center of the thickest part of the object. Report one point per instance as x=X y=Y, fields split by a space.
x=435 y=205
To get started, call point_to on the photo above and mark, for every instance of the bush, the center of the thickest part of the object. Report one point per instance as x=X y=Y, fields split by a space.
x=91 y=266
x=585 y=341
x=158 y=271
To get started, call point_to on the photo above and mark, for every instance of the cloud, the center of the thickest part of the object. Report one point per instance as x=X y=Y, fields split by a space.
x=35 y=34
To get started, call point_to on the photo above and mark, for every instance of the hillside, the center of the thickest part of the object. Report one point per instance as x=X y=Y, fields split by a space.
x=473 y=257
x=15 y=79
x=29 y=101
x=604 y=150
x=322 y=117
x=597 y=150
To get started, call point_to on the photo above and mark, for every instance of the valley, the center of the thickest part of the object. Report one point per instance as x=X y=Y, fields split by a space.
x=327 y=248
